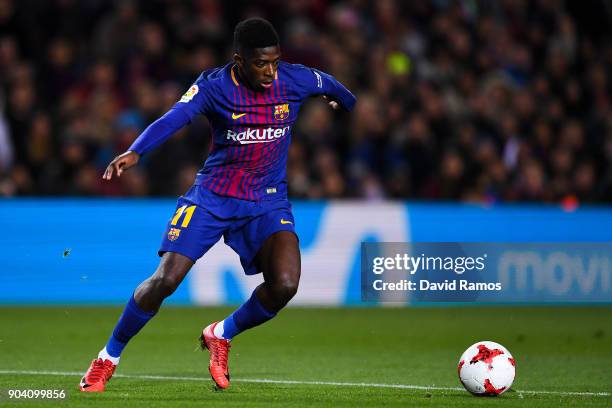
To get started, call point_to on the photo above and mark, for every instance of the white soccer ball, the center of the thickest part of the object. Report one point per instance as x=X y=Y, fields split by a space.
x=486 y=368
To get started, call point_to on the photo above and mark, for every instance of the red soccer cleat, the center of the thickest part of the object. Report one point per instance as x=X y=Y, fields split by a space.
x=97 y=376
x=219 y=350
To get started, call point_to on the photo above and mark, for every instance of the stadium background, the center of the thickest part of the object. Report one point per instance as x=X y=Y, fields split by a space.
x=479 y=121
x=469 y=100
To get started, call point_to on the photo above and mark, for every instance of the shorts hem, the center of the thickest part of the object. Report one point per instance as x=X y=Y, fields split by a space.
x=161 y=253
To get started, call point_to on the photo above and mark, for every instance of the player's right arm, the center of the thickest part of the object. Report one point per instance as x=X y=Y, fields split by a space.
x=121 y=163
x=192 y=103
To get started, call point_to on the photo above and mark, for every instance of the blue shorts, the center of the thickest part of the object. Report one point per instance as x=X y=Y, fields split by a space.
x=202 y=217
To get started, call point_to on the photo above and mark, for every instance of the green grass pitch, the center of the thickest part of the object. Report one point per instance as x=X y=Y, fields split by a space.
x=559 y=350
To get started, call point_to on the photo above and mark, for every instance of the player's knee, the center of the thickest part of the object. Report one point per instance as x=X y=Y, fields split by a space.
x=169 y=275
x=286 y=288
x=165 y=284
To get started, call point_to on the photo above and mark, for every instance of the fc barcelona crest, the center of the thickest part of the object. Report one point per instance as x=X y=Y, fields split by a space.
x=173 y=234
x=281 y=112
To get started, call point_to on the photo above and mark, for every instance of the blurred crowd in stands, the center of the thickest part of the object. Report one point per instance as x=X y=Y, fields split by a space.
x=474 y=100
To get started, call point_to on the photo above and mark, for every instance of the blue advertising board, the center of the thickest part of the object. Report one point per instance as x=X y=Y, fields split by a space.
x=66 y=251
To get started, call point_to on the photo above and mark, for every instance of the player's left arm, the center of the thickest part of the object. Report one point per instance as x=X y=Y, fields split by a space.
x=334 y=91
x=320 y=83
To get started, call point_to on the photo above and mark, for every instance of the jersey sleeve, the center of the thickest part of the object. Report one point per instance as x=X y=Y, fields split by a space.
x=317 y=82
x=193 y=102
x=196 y=101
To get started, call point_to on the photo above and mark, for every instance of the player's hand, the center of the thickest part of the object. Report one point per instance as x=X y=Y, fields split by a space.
x=334 y=105
x=120 y=164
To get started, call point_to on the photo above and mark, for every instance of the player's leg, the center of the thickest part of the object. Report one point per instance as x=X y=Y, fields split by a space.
x=171 y=271
x=279 y=259
x=189 y=234
x=141 y=308
x=145 y=302
x=266 y=244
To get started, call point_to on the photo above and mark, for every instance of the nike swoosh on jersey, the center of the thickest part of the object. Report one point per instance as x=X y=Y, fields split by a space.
x=234 y=116
x=283 y=221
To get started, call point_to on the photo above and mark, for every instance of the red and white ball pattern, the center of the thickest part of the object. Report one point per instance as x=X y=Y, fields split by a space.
x=486 y=368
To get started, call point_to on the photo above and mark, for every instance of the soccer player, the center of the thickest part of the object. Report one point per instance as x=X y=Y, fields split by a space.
x=240 y=193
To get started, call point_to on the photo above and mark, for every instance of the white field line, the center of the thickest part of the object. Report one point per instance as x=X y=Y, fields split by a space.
x=299 y=382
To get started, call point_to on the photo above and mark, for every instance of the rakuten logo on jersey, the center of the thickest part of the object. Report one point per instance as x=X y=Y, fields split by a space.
x=257 y=135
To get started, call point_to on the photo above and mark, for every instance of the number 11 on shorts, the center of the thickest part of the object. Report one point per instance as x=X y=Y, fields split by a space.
x=188 y=211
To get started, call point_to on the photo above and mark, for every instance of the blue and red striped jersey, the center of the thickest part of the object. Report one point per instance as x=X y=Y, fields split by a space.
x=251 y=129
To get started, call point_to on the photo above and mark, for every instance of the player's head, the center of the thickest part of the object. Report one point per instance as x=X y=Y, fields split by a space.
x=257 y=52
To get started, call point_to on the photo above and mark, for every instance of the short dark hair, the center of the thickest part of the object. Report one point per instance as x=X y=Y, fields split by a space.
x=254 y=33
